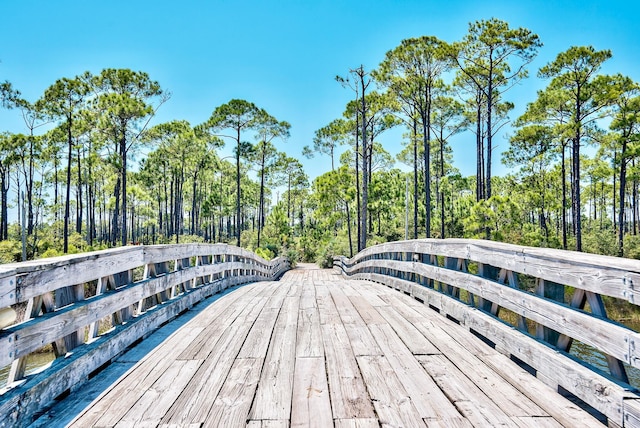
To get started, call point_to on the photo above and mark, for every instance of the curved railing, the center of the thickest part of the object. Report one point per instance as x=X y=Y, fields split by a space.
x=519 y=298
x=69 y=300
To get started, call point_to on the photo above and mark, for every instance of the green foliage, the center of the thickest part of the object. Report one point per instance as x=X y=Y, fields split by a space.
x=599 y=241
x=497 y=218
x=10 y=251
x=265 y=253
x=632 y=246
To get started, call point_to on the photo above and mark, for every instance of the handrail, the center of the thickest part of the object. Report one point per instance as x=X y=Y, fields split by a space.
x=137 y=288
x=550 y=297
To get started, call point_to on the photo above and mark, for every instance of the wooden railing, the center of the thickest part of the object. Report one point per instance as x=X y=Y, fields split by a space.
x=131 y=291
x=532 y=304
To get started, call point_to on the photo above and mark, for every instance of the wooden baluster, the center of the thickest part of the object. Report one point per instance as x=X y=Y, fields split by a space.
x=63 y=297
x=115 y=281
x=508 y=277
x=149 y=272
x=94 y=327
x=452 y=263
x=554 y=292
x=489 y=272
x=579 y=301
x=162 y=268
x=18 y=367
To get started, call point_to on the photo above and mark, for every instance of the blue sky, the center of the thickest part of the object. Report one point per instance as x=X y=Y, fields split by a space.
x=281 y=55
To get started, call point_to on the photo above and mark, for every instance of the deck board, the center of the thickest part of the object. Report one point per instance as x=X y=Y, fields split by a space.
x=314 y=349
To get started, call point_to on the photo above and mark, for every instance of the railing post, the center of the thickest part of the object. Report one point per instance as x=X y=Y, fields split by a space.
x=94 y=327
x=555 y=292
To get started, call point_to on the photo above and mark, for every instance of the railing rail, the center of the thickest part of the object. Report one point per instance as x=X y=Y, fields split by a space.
x=550 y=298
x=132 y=289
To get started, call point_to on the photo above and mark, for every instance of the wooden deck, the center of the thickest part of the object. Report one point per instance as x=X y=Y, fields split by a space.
x=314 y=349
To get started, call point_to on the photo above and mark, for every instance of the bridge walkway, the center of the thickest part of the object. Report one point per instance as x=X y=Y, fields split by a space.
x=314 y=349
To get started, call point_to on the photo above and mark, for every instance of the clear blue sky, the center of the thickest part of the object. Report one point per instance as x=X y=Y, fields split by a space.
x=282 y=55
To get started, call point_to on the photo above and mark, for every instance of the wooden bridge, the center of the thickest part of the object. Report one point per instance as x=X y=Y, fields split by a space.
x=414 y=333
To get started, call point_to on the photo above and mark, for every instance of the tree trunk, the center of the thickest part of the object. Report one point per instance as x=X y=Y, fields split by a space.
x=634 y=201
x=365 y=169
x=4 y=225
x=489 y=130
x=238 y=188
x=349 y=228
x=65 y=233
x=29 y=185
x=442 y=229
x=261 y=201
x=123 y=154
x=564 y=199
x=623 y=183
x=426 y=133
x=358 y=198
x=79 y=195
x=415 y=178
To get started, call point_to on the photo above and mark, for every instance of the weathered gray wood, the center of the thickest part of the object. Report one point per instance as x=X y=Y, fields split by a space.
x=612 y=276
x=611 y=338
x=479 y=409
x=154 y=403
x=234 y=400
x=428 y=398
x=30 y=336
x=273 y=397
x=20 y=402
x=394 y=406
x=392 y=383
x=362 y=341
x=349 y=397
x=602 y=394
x=562 y=410
x=311 y=406
x=194 y=405
x=309 y=337
x=51 y=274
x=356 y=423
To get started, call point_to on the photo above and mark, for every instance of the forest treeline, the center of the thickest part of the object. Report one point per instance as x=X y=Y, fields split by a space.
x=90 y=171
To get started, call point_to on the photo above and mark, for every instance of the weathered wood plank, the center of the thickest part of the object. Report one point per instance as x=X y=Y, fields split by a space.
x=273 y=397
x=158 y=398
x=368 y=313
x=362 y=342
x=428 y=398
x=107 y=410
x=479 y=409
x=562 y=410
x=30 y=336
x=268 y=424
x=41 y=389
x=356 y=423
x=394 y=407
x=612 y=276
x=536 y=422
x=309 y=337
x=218 y=319
x=349 y=397
x=311 y=406
x=231 y=407
x=413 y=339
x=502 y=393
x=194 y=405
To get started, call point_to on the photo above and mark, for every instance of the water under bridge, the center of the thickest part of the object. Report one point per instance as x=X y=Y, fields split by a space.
x=413 y=333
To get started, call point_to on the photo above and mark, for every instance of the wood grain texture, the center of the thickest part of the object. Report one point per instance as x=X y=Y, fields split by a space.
x=311 y=406
x=423 y=369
